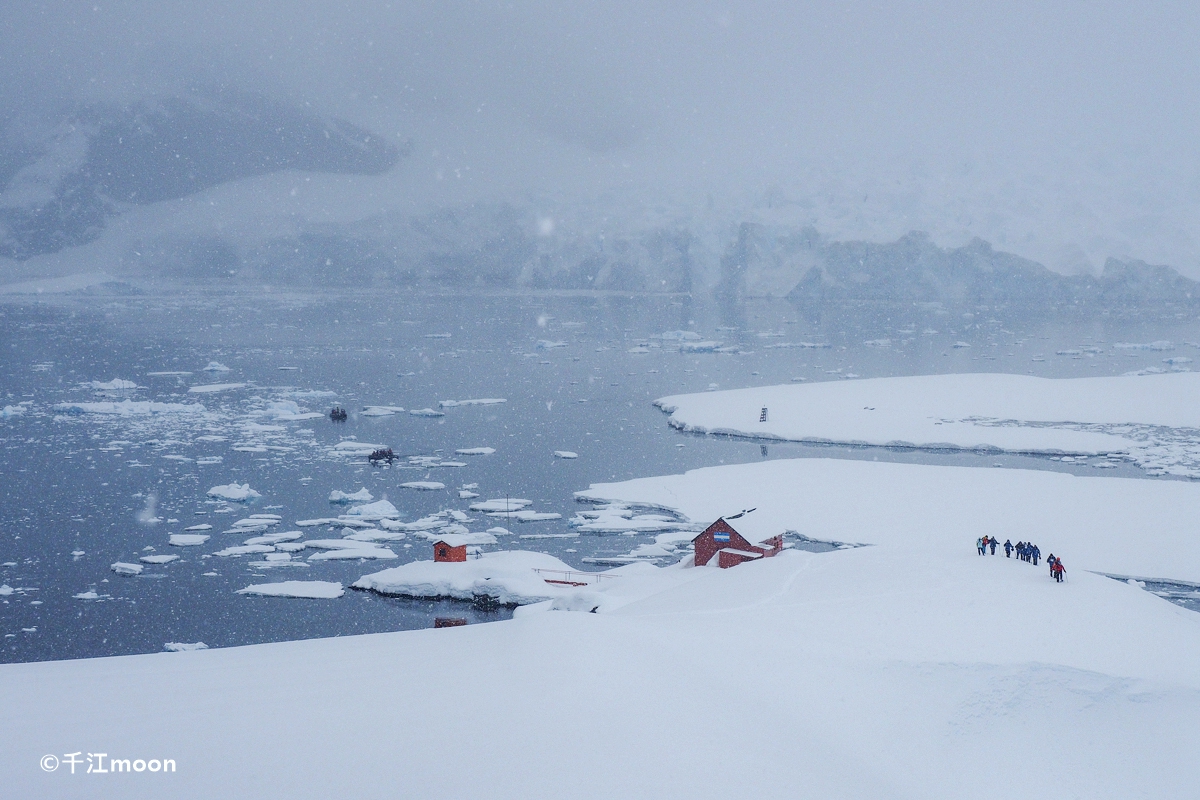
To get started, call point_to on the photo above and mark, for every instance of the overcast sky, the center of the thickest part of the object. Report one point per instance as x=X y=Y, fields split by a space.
x=575 y=98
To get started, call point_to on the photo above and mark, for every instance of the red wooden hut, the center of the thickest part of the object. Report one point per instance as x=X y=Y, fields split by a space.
x=446 y=551
x=730 y=547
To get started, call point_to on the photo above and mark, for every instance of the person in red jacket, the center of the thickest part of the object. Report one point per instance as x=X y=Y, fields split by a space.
x=1057 y=570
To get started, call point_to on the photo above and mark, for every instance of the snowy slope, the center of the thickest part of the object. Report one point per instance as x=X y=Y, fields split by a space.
x=1117 y=526
x=863 y=673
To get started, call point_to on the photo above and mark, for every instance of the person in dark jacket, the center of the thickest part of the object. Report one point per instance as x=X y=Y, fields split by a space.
x=1008 y=548
x=992 y=544
x=1036 y=554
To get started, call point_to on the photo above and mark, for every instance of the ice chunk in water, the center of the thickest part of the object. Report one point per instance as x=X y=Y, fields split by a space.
x=233 y=491
x=188 y=539
x=122 y=568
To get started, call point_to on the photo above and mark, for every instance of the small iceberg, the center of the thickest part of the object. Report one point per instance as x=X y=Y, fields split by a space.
x=361 y=496
x=381 y=411
x=380 y=509
x=158 y=559
x=565 y=454
x=238 y=493
x=188 y=539
x=214 y=366
x=476 y=451
x=426 y=412
x=115 y=385
x=122 y=568
x=424 y=486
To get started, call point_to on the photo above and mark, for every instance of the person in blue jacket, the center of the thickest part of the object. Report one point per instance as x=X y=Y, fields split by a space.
x=1008 y=548
x=1036 y=554
x=992 y=544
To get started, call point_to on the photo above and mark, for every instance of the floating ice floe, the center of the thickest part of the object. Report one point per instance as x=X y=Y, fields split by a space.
x=201 y=527
x=209 y=388
x=353 y=448
x=115 y=385
x=311 y=590
x=526 y=515
x=216 y=366
x=437 y=336
x=681 y=336
x=565 y=454
x=483 y=401
x=424 y=486
x=5 y=589
x=501 y=504
x=90 y=594
x=11 y=411
x=286 y=411
x=361 y=496
x=381 y=411
x=123 y=568
x=546 y=344
x=622 y=518
x=380 y=509
x=506 y=577
x=238 y=493
x=423 y=524
x=273 y=538
x=188 y=539
x=475 y=451
x=130 y=408
x=346 y=549
x=245 y=549
x=426 y=412
x=184 y=647
x=158 y=559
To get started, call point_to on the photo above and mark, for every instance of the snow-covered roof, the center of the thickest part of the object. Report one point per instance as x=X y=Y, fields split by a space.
x=461 y=539
x=742 y=553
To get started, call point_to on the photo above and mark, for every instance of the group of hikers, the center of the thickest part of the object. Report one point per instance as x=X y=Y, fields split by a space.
x=1026 y=551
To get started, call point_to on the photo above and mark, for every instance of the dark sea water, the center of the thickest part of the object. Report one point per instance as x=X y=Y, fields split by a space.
x=81 y=491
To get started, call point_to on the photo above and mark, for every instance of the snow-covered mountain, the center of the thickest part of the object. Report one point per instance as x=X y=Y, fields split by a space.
x=64 y=176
